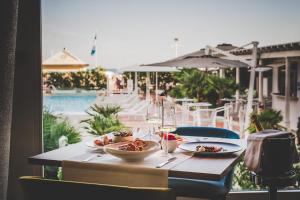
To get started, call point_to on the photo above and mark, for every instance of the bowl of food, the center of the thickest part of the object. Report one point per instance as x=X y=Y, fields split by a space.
x=132 y=151
x=122 y=136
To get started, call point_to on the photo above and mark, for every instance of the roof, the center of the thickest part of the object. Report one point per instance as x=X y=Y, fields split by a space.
x=63 y=60
x=199 y=59
x=148 y=69
x=270 y=48
x=201 y=52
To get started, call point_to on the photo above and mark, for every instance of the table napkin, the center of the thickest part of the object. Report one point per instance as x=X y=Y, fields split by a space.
x=123 y=175
x=111 y=170
x=255 y=148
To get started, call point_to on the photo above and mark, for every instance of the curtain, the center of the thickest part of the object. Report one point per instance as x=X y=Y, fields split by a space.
x=8 y=33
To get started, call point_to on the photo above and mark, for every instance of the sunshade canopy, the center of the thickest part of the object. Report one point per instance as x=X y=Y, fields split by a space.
x=148 y=69
x=200 y=59
x=63 y=61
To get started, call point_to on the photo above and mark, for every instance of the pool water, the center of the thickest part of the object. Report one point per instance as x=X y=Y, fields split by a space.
x=68 y=104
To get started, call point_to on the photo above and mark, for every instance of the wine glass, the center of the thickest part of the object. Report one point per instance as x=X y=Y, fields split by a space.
x=168 y=124
x=153 y=118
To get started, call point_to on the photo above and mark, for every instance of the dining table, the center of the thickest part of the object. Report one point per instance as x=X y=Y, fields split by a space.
x=188 y=165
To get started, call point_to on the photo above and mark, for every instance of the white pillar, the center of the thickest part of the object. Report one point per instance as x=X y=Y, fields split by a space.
x=237 y=81
x=251 y=85
x=275 y=80
x=287 y=93
x=260 y=87
x=136 y=83
x=156 y=86
x=222 y=73
x=147 y=86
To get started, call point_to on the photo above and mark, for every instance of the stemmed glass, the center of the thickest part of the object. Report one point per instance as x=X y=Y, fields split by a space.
x=153 y=118
x=168 y=124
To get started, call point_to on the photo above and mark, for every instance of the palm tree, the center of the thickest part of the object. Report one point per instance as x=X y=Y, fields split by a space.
x=223 y=87
x=194 y=83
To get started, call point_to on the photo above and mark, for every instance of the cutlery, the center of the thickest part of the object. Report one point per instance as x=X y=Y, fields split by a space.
x=166 y=162
x=91 y=157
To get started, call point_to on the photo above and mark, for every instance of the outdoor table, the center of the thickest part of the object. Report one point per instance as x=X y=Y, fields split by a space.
x=199 y=105
x=194 y=167
x=184 y=100
x=228 y=100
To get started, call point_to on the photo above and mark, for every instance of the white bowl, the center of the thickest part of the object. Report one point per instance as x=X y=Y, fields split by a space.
x=149 y=149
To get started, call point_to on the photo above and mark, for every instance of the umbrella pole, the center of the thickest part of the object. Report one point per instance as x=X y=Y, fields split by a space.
x=156 y=86
x=136 y=83
x=147 y=86
x=251 y=86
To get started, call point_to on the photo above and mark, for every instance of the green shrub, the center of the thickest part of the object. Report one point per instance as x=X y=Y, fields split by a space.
x=91 y=79
x=53 y=129
x=103 y=120
x=269 y=119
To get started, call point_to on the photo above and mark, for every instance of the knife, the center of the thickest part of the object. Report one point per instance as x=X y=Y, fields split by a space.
x=91 y=157
x=166 y=162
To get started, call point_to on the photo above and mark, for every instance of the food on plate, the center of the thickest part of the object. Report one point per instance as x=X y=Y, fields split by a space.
x=203 y=148
x=124 y=133
x=103 y=141
x=123 y=136
x=137 y=145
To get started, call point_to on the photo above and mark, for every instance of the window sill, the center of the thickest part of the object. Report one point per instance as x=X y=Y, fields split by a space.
x=282 y=96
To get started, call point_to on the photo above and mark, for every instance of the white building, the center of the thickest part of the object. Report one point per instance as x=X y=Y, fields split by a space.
x=282 y=83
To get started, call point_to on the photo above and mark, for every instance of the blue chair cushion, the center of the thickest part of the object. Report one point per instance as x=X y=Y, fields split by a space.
x=206 y=132
x=198 y=188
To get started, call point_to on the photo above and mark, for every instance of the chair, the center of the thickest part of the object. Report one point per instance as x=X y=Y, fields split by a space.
x=203 y=188
x=37 y=188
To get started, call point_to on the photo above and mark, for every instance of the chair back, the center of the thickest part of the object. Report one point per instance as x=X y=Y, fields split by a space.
x=36 y=188
x=206 y=132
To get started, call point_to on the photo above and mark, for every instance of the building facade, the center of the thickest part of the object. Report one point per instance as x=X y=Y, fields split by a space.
x=282 y=82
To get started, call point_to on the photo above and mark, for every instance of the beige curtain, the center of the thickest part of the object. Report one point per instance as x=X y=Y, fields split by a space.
x=8 y=32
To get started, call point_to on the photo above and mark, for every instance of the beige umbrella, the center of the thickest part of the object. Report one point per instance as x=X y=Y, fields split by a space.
x=63 y=61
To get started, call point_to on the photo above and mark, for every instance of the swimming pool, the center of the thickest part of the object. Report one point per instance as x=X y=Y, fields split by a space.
x=68 y=104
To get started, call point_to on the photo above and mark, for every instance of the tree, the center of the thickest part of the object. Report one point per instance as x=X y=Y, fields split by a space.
x=194 y=83
x=222 y=87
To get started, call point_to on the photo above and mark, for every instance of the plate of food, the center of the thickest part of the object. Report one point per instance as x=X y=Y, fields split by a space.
x=132 y=151
x=210 y=148
x=110 y=138
x=99 y=142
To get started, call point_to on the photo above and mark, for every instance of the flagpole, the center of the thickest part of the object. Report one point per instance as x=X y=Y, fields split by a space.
x=96 y=56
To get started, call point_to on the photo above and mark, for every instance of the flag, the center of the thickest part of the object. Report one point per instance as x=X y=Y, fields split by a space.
x=93 y=51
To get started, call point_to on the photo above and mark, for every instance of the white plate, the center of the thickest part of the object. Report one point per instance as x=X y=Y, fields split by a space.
x=132 y=155
x=228 y=148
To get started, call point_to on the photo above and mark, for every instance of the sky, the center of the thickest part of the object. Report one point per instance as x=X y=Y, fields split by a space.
x=131 y=32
